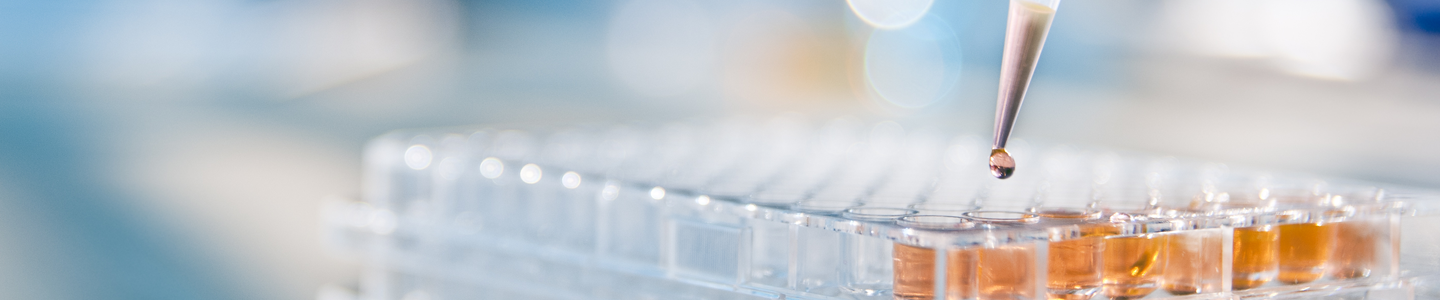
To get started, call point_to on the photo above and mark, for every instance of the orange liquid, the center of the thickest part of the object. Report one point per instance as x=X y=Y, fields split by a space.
x=914 y=272
x=1193 y=263
x=1074 y=266
x=1304 y=251
x=1354 y=255
x=1005 y=272
x=960 y=275
x=1132 y=266
x=1254 y=255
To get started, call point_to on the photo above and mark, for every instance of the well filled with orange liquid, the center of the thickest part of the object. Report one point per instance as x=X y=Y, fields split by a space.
x=1254 y=256
x=1073 y=270
x=1193 y=263
x=1006 y=272
x=960 y=277
x=1132 y=266
x=1304 y=251
x=914 y=272
x=1356 y=253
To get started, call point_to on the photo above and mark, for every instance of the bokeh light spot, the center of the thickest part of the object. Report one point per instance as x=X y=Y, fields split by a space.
x=492 y=168
x=530 y=173
x=890 y=14
x=913 y=67
x=418 y=157
x=570 y=180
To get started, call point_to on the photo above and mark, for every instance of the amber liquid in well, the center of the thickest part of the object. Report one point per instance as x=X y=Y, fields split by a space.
x=960 y=274
x=1253 y=256
x=1192 y=263
x=1304 y=251
x=1005 y=272
x=1355 y=252
x=914 y=272
x=1074 y=266
x=1132 y=266
x=1074 y=269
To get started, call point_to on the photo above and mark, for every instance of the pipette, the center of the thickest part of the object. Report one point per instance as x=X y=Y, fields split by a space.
x=1025 y=31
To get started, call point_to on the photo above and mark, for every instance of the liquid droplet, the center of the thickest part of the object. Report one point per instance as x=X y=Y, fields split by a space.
x=1001 y=164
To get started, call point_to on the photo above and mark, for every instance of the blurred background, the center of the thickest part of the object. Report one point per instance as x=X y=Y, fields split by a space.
x=168 y=149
